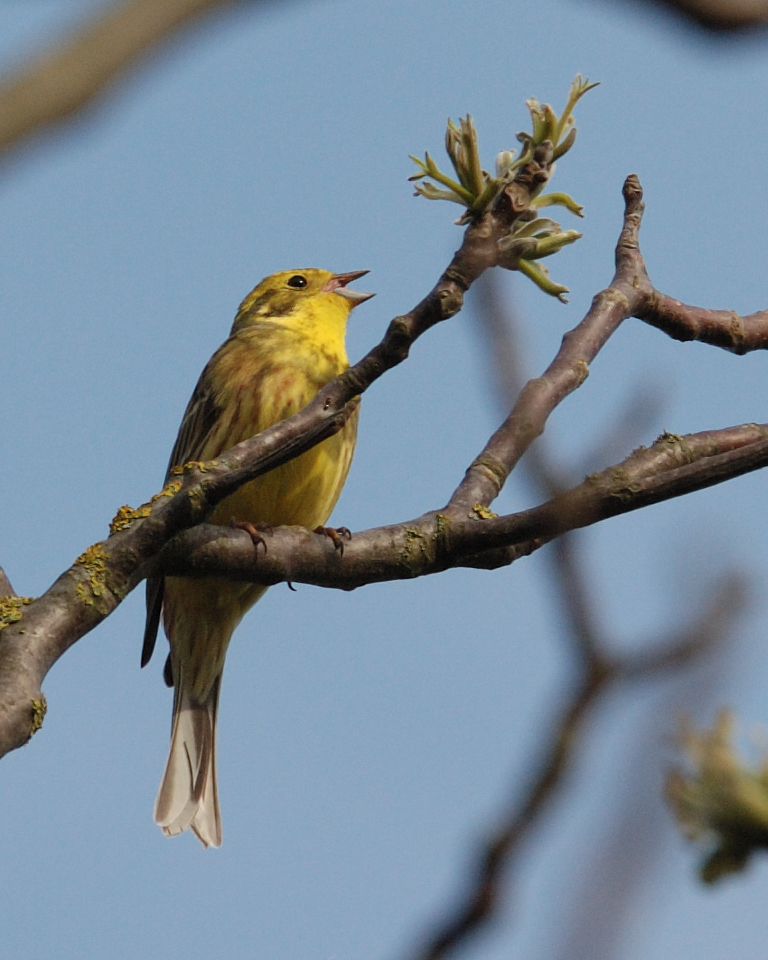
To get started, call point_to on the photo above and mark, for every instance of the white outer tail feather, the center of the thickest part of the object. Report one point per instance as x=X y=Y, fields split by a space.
x=188 y=795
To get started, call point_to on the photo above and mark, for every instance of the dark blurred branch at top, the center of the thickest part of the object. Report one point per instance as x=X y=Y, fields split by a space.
x=721 y=16
x=74 y=71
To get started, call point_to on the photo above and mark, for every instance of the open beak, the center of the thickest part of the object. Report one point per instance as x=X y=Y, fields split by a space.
x=338 y=284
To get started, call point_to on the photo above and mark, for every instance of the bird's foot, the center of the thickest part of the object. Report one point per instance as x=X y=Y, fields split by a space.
x=337 y=534
x=254 y=531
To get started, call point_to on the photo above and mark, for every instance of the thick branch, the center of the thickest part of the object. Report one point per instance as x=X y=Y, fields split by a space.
x=71 y=75
x=429 y=544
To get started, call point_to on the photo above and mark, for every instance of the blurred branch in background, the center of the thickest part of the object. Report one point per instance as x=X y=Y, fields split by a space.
x=602 y=902
x=76 y=70
x=598 y=675
x=721 y=16
x=598 y=672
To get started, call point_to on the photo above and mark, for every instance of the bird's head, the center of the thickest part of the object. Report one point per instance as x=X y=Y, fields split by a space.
x=296 y=293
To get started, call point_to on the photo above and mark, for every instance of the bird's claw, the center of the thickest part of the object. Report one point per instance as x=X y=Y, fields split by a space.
x=337 y=535
x=254 y=531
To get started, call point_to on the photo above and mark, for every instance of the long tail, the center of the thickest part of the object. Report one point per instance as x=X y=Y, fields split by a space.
x=188 y=795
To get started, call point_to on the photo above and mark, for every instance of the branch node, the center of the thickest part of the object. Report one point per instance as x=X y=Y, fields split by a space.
x=491 y=468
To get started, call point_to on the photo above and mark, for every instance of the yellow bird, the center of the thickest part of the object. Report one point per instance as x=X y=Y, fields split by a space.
x=286 y=343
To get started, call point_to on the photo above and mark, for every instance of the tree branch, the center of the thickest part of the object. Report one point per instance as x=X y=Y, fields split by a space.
x=672 y=467
x=570 y=368
x=99 y=580
x=608 y=893
x=719 y=328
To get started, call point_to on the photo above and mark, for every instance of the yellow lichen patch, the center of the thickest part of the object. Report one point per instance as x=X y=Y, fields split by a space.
x=668 y=438
x=582 y=370
x=414 y=552
x=94 y=562
x=442 y=529
x=10 y=610
x=39 y=710
x=197 y=500
x=483 y=513
x=125 y=515
x=622 y=486
x=191 y=465
x=173 y=486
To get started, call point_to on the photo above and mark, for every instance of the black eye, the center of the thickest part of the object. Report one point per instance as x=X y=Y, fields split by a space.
x=297 y=281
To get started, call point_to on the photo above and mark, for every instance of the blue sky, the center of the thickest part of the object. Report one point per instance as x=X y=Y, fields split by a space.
x=367 y=741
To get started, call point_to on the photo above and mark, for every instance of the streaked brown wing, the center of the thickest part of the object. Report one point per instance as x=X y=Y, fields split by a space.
x=199 y=419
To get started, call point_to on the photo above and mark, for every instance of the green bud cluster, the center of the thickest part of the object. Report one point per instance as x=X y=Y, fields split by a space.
x=719 y=802
x=531 y=237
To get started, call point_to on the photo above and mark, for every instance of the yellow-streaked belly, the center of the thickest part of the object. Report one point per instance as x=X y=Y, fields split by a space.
x=200 y=615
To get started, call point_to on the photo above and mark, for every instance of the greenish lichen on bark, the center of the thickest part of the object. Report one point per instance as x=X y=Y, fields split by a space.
x=11 y=610
x=39 y=710
x=94 y=563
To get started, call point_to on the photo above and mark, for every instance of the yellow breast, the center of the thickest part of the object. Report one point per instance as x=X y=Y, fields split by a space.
x=269 y=372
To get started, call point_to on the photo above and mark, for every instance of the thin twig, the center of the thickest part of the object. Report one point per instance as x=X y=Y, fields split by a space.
x=480 y=901
x=718 y=328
